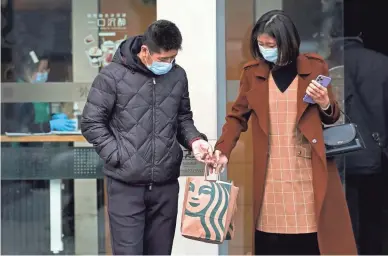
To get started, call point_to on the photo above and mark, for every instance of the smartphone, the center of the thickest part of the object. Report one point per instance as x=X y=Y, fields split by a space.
x=322 y=80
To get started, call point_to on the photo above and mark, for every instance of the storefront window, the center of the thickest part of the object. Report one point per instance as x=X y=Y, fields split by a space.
x=53 y=198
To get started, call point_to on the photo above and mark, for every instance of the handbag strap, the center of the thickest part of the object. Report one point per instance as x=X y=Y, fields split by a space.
x=346 y=116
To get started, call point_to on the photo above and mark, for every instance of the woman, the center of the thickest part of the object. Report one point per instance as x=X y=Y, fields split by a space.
x=299 y=203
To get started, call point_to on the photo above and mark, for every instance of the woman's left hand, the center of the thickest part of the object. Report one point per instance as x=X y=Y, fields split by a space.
x=319 y=94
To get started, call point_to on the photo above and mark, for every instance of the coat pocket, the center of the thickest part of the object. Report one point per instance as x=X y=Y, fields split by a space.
x=303 y=151
x=119 y=147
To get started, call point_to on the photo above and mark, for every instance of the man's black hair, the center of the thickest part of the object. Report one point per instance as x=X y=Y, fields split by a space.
x=279 y=26
x=163 y=35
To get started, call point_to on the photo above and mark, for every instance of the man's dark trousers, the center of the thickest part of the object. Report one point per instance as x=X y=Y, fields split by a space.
x=142 y=218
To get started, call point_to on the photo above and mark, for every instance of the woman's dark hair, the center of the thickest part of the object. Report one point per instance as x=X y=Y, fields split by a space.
x=279 y=26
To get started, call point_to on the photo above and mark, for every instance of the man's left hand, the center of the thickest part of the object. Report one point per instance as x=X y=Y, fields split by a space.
x=202 y=150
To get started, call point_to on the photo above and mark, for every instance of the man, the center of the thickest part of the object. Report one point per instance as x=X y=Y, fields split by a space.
x=137 y=113
x=366 y=90
x=366 y=103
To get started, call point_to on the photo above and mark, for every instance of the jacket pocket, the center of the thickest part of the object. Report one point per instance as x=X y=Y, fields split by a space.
x=119 y=147
x=177 y=152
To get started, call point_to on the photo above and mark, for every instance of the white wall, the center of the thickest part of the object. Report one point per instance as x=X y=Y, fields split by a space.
x=197 y=22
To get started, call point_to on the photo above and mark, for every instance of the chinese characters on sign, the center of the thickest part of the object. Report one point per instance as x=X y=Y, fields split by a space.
x=108 y=21
x=83 y=92
x=111 y=32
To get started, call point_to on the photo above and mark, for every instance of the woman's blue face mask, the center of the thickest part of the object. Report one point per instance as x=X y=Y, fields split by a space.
x=270 y=54
x=41 y=77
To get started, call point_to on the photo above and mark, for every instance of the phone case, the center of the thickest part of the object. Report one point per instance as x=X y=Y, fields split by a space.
x=322 y=80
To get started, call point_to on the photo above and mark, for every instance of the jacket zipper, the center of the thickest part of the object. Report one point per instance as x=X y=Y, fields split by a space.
x=153 y=132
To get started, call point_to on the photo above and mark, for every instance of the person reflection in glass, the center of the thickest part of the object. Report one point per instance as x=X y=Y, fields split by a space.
x=34 y=117
x=208 y=202
x=366 y=104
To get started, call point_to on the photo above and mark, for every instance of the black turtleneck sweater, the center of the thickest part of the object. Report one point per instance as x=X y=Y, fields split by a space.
x=284 y=75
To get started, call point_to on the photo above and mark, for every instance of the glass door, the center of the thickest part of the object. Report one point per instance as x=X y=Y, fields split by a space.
x=53 y=192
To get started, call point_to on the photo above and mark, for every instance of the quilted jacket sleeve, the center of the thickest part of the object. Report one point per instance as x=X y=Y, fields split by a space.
x=187 y=132
x=96 y=115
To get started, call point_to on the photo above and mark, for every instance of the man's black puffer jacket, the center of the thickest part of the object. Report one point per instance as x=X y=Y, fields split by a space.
x=136 y=120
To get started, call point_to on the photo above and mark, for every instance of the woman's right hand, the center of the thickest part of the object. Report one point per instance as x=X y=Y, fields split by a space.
x=219 y=162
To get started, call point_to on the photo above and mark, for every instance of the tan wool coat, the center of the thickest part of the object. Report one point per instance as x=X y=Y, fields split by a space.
x=335 y=234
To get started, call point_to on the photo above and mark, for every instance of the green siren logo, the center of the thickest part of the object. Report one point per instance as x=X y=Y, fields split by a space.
x=209 y=203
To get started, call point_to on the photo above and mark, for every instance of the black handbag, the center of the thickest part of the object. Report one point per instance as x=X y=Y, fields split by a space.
x=342 y=139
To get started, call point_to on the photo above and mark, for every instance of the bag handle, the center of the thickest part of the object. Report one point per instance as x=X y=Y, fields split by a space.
x=205 y=172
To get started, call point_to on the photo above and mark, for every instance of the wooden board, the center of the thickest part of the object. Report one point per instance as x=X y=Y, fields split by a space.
x=44 y=138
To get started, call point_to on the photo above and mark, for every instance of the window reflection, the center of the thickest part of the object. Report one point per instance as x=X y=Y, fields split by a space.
x=42 y=27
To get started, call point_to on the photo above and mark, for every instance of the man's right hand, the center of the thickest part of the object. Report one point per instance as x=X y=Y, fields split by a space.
x=219 y=162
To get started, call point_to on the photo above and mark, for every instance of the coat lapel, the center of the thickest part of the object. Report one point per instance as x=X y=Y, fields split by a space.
x=303 y=83
x=304 y=71
x=258 y=96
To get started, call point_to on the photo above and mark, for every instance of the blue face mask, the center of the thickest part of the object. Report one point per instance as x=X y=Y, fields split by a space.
x=160 y=68
x=270 y=54
x=41 y=77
